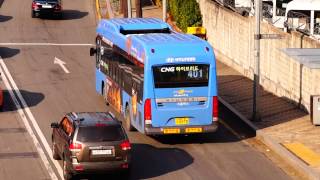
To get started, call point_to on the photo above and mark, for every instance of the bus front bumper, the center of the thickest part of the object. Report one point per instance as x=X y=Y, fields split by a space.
x=149 y=130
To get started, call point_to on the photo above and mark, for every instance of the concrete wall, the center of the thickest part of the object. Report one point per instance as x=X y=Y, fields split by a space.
x=231 y=35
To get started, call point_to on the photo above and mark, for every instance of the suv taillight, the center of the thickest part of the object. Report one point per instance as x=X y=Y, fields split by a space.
x=58 y=7
x=147 y=111
x=125 y=145
x=75 y=147
x=34 y=5
x=215 y=108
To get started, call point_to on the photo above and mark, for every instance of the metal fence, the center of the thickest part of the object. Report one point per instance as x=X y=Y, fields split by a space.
x=299 y=21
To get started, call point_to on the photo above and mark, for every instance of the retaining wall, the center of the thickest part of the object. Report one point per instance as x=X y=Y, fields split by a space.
x=231 y=35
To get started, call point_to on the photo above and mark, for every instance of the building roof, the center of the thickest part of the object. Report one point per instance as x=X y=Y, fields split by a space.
x=309 y=57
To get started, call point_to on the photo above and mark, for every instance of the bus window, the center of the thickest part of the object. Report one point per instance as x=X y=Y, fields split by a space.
x=182 y=75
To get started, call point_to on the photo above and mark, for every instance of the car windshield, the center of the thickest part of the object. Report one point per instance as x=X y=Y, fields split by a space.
x=100 y=133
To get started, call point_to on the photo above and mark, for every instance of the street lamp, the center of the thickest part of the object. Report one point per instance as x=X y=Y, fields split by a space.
x=164 y=10
x=256 y=78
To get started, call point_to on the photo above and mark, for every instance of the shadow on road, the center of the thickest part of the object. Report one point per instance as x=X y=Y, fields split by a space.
x=5 y=18
x=66 y=15
x=229 y=123
x=150 y=162
x=31 y=98
x=8 y=52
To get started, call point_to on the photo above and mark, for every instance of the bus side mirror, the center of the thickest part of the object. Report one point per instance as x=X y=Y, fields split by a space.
x=93 y=51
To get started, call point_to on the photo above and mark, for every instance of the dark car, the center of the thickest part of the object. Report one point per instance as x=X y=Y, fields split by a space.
x=90 y=143
x=46 y=7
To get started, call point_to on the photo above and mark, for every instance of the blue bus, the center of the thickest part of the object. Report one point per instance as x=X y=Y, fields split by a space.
x=159 y=80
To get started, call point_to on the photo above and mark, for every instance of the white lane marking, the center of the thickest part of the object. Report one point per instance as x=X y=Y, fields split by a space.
x=61 y=64
x=8 y=78
x=42 y=44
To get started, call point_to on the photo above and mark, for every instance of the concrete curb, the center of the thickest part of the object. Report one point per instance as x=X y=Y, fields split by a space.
x=275 y=146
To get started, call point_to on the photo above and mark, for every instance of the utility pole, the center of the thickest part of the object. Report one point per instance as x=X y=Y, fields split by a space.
x=138 y=9
x=129 y=9
x=164 y=10
x=256 y=78
x=125 y=8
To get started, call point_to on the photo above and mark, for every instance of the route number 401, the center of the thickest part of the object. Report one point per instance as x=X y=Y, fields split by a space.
x=195 y=74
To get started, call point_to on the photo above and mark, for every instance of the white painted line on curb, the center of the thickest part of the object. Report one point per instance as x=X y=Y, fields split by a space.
x=13 y=87
x=42 y=44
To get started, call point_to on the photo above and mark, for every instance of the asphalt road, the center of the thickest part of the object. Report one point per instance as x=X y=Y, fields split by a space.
x=50 y=92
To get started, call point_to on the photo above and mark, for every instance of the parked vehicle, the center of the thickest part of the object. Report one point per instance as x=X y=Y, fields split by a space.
x=89 y=143
x=46 y=7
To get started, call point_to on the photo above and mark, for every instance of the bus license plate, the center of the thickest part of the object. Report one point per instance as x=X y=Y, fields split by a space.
x=182 y=121
x=101 y=152
x=171 y=131
x=193 y=130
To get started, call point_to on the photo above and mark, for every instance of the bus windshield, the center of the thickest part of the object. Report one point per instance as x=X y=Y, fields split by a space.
x=181 y=75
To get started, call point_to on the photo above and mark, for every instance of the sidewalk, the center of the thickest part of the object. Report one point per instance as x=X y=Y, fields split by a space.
x=285 y=128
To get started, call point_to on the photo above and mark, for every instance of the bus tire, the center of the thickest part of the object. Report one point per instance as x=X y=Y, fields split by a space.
x=33 y=14
x=127 y=122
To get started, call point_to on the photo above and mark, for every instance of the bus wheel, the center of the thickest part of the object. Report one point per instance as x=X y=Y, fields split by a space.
x=127 y=122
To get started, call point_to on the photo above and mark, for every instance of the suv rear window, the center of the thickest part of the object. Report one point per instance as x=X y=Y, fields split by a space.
x=100 y=133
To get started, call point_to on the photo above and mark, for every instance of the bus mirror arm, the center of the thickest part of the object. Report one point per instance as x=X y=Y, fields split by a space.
x=92 y=51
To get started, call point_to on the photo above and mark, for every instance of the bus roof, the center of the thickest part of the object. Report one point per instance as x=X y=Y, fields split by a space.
x=303 y=5
x=144 y=37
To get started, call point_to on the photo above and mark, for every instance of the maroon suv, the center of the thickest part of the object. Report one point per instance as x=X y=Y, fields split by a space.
x=89 y=143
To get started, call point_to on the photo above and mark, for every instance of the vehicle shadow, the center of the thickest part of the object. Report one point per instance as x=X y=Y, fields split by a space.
x=66 y=15
x=150 y=162
x=8 y=52
x=228 y=124
x=31 y=99
x=5 y=18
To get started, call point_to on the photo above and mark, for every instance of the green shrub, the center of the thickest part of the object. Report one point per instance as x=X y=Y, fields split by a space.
x=186 y=13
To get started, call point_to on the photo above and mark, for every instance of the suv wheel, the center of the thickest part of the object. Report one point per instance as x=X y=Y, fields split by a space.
x=33 y=14
x=128 y=124
x=55 y=154
x=66 y=174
